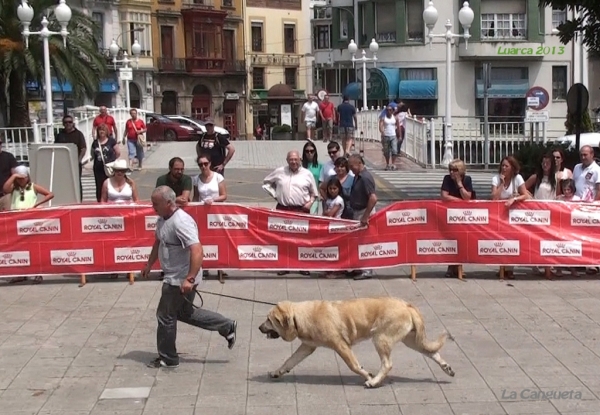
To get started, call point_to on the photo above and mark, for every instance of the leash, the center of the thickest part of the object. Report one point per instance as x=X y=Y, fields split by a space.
x=226 y=296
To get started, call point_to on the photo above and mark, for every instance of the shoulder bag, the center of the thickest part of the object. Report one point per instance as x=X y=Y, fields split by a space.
x=140 y=136
x=107 y=170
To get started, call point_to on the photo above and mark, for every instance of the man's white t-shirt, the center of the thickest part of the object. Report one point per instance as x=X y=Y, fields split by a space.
x=513 y=187
x=310 y=110
x=585 y=181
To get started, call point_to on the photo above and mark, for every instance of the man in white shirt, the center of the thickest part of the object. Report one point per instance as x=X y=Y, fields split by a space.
x=310 y=112
x=586 y=176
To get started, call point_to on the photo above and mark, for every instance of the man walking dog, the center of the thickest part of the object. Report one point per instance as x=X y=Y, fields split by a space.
x=178 y=248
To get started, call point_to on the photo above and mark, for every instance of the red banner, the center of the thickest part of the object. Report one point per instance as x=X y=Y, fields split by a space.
x=95 y=239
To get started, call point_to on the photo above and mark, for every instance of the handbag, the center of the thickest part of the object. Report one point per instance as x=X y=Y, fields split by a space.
x=107 y=169
x=140 y=136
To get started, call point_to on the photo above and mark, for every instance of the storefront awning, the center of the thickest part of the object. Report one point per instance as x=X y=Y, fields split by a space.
x=505 y=88
x=383 y=83
x=65 y=87
x=418 y=89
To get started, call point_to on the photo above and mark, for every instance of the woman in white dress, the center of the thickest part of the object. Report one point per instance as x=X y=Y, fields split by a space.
x=509 y=185
x=209 y=188
x=119 y=188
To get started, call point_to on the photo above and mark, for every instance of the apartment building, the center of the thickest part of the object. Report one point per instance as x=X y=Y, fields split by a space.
x=515 y=36
x=200 y=68
x=278 y=47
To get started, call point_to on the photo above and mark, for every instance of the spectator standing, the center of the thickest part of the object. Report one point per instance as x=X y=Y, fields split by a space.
x=347 y=124
x=586 y=176
x=456 y=186
x=133 y=128
x=71 y=135
x=220 y=149
x=119 y=188
x=334 y=203
x=388 y=127
x=362 y=199
x=310 y=114
x=105 y=150
x=179 y=182
x=568 y=191
x=310 y=161
x=104 y=118
x=328 y=115
x=543 y=181
x=402 y=112
x=177 y=246
x=8 y=163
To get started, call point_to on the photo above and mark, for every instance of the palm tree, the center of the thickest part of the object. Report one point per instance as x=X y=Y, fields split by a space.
x=81 y=63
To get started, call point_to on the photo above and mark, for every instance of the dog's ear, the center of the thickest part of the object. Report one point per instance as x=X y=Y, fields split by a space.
x=283 y=315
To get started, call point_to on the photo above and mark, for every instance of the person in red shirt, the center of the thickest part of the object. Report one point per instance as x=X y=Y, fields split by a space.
x=105 y=118
x=328 y=115
x=133 y=127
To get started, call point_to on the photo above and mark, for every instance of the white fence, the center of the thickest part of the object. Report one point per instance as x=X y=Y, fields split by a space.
x=16 y=140
x=424 y=140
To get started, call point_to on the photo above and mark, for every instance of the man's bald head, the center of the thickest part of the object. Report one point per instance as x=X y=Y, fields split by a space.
x=293 y=160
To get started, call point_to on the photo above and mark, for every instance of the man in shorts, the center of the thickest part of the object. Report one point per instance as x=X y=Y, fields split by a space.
x=310 y=113
x=328 y=116
x=347 y=124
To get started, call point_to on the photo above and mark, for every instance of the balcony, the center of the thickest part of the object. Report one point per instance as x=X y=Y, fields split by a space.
x=274 y=59
x=198 y=4
x=201 y=66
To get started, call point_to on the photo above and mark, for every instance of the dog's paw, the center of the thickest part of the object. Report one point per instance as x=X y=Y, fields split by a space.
x=371 y=375
x=370 y=384
x=446 y=368
x=274 y=375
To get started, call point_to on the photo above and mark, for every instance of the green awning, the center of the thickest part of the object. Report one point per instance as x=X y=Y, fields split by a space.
x=418 y=89
x=383 y=83
x=504 y=88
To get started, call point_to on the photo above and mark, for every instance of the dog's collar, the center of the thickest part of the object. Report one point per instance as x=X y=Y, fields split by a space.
x=295 y=324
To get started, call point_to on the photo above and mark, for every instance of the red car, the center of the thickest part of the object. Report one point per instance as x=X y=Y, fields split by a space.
x=161 y=128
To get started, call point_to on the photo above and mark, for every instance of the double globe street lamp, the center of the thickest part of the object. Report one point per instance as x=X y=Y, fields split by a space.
x=63 y=15
x=353 y=48
x=125 y=73
x=465 y=17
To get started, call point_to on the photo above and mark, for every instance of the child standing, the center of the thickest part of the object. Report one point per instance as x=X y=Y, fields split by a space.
x=334 y=205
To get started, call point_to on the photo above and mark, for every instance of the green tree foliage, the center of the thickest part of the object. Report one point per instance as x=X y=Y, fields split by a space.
x=586 y=25
x=586 y=123
x=81 y=63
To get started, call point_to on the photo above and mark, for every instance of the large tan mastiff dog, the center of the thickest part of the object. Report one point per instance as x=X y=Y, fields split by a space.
x=339 y=325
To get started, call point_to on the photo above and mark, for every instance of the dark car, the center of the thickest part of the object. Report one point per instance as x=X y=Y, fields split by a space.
x=161 y=128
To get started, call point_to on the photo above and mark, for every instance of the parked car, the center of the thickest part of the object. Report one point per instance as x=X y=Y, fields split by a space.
x=182 y=119
x=161 y=128
x=585 y=139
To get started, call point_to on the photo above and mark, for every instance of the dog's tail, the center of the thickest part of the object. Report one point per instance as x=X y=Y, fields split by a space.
x=420 y=337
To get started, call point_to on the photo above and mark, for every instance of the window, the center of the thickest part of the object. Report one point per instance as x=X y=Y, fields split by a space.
x=289 y=36
x=257 y=37
x=98 y=18
x=413 y=74
x=344 y=24
x=258 y=78
x=503 y=26
x=559 y=83
x=559 y=16
x=290 y=77
x=228 y=3
x=136 y=25
x=414 y=21
x=322 y=13
x=335 y=80
x=321 y=37
x=385 y=22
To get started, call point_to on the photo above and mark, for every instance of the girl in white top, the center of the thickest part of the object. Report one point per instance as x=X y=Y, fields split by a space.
x=568 y=190
x=509 y=185
x=209 y=186
x=119 y=188
x=334 y=204
x=543 y=181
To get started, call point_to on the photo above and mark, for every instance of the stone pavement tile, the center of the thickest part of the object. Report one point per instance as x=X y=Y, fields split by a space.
x=17 y=399
x=359 y=395
x=175 y=384
x=55 y=351
x=225 y=409
x=576 y=406
x=7 y=375
x=427 y=409
x=271 y=394
x=223 y=385
x=118 y=411
x=324 y=409
x=309 y=394
x=219 y=400
x=15 y=356
x=106 y=406
x=96 y=372
x=552 y=376
x=180 y=411
x=172 y=403
x=405 y=395
x=469 y=395
x=44 y=412
x=272 y=410
x=369 y=409
x=76 y=394
x=529 y=407
x=97 y=356
x=128 y=377
x=477 y=408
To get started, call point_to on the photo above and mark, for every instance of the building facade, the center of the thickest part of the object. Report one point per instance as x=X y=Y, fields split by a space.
x=515 y=37
x=278 y=47
x=200 y=69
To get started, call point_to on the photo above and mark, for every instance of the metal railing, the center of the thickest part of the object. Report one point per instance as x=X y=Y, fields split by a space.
x=424 y=141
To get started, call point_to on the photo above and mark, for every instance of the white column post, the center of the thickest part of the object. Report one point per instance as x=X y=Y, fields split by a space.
x=449 y=151
x=364 y=80
x=48 y=82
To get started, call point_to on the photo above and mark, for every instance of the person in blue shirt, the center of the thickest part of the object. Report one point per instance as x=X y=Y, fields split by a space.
x=347 y=123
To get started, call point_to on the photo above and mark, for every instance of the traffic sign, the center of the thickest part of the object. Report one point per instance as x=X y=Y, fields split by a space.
x=537 y=116
x=321 y=94
x=543 y=98
x=578 y=99
x=126 y=74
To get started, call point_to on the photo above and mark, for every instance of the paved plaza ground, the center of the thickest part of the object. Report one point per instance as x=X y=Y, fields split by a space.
x=66 y=350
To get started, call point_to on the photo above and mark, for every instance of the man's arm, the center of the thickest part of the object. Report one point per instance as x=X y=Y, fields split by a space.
x=151 y=259
x=196 y=257
x=82 y=147
x=370 y=187
x=272 y=177
x=114 y=126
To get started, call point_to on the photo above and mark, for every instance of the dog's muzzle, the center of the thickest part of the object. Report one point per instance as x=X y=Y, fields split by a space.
x=271 y=334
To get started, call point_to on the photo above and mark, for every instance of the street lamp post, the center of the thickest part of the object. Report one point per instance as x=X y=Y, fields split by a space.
x=63 y=14
x=353 y=48
x=126 y=73
x=465 y=17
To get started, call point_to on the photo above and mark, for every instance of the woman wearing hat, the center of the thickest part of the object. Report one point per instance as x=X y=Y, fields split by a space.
x=24 y=195
x=119 y=188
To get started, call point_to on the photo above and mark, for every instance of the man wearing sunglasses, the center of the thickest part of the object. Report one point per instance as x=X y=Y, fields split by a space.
x=8 y=164
x=72 y=135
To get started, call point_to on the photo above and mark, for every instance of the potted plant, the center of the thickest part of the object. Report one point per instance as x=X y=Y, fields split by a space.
x=281 y=132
